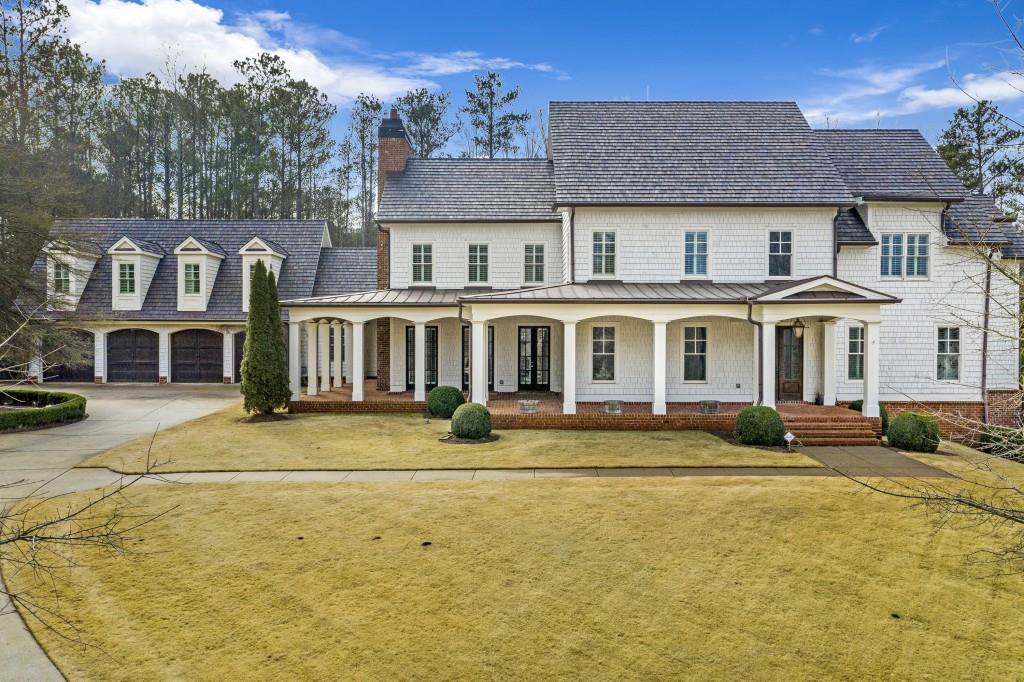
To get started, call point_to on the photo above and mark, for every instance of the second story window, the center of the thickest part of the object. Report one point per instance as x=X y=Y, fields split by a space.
x=533 y=264
x=61 y=278
x=126 y=278
x=780 y=254
x=479 y=264
x=604 y=254
x=904 y=255
x=695 y=256
x=422 y=263
x=191 y=278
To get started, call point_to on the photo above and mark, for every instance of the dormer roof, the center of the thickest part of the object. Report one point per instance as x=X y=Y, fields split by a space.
x=258 y=245
x=196 y=246
x=135 y=246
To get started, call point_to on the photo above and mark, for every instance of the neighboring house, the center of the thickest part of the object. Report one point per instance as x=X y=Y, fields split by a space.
x=673 y=252
x=166 y=300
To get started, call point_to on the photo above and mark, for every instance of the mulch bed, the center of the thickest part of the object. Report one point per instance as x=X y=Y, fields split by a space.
x=454 y=440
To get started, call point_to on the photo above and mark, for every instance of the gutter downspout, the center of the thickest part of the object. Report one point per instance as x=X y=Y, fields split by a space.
x=835 y=244
x=760 y=350
x=984 y=338
x=572 y=245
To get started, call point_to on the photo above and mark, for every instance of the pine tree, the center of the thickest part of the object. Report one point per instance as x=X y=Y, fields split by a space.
x=264 y=360
x=494 y=128
x=983 y=149
x=425 y=115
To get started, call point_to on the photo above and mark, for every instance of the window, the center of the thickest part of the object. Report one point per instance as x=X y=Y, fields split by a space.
x=948 y=365
x=604 y=254
x=192 y=278
x=695 y=256
x=534 y=264
x=478 y=264
x=780 y=254
x=126 y=278
x=422 y=263
x=904 y=256
x=61 y=278
x=603 y=355
x=695 y=354
x=855 y=354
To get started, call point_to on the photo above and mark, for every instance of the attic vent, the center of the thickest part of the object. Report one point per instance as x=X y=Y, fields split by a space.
x=256 y=248
x=126 y=247
x=190 y=248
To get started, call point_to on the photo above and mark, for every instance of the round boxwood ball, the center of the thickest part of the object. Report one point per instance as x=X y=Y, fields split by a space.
x=471 y=421
x=443 y=401
x=915 y=432
x=759 y=425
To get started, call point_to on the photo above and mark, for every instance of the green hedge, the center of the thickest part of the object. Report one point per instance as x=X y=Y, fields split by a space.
x=471 y=421
x=443 y=401
x=915 y=432
x=858 y=405
x=1003 y=441
x=759 y=425
x=51 y=407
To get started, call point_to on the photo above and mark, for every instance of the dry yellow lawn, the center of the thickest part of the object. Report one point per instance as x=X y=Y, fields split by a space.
x=220 y=442
x=727 y=578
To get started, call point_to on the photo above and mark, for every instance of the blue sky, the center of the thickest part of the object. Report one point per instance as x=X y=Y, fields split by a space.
x=857 y=63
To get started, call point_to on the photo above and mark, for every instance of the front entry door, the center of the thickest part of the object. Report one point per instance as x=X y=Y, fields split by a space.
x=430 y=373
x=789 y=364
x=535 y=358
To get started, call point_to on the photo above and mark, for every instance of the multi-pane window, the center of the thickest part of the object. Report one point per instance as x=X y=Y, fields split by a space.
x=603 y=354
x=126 y=278
x=948 y=357
x=479 y=264
x=695 y=256
x=780 y=253
x=695 y=354
x=61 y=278
x=534 y=263
x=904 y=255
x=604 y=254
x=422 y=263
x=191 y=278
x=855 y=354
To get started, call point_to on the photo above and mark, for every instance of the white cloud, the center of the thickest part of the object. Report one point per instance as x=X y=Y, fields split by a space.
x=860 y=38
x=1001 y=86
x=452 y=63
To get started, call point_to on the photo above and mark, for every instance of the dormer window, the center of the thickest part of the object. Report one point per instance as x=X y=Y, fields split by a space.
x=68 y=270
x=192 y=281
x=61 y=278
x=198 y=264
x=259 y=249
x=133 y=264
x=126 y=278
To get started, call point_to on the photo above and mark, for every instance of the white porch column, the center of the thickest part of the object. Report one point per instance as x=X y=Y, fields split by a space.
x=660 y=368
x=323 y=343
x=347 y=363
x=768 y=364
x=871 y=371
x=35 y=369
x=228 y=367
x=358 y=366
x=829 y=361
x=165 y=356
x=336 y=360
x=569 y=368
x=311 y=379
x=294 y=367
x=755 y=364
x=479 y=383
x=99 y=357
x=420 y=371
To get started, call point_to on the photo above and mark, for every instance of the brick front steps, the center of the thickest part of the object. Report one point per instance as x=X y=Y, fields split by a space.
x=834 y=429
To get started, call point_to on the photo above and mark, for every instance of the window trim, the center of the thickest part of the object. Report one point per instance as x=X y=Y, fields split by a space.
x=66 y=268
x=904 y=257
x=863 y=354
x=707 y=255
x=544 y=264
x=768 y=253
x=134 y=279
x=412 y=265
x=615 y=255
x=614 y=353
x=959 y=353
x=184 y=278
x=478 y=283
x=705 y=354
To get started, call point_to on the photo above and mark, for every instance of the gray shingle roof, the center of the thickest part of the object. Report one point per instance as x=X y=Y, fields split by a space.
x=462 y=190
x=886 y=164
x=973 y=221
x=1014 y=247
x=301 y=238
x=212 y=247
x=850 y=228
x=689 y=153
x=343 y=270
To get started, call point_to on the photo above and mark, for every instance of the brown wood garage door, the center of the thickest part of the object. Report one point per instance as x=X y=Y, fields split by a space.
x=133 y=355
x=197 y=356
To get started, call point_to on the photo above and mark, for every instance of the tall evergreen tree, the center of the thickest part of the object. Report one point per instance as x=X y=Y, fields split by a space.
x=264 y=360
x=495 y=128
x=365 y=120
x=983 y=149
x=425 y=115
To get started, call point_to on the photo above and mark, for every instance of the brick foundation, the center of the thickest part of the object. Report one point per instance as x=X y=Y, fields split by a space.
x=163 y=380
x=960 y=420
x=365 y=407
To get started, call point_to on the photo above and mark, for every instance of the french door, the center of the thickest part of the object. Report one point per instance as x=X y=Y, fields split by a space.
x=467 y=353
x=535 y=358
x=789 y=364
x=430 y=338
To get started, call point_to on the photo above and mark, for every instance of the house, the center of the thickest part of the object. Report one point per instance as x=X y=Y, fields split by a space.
x=667 y=253
x=163 y=301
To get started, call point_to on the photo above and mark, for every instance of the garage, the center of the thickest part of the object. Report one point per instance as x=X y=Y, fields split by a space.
x=78 y=344
x=197 y=356
x=133 y=356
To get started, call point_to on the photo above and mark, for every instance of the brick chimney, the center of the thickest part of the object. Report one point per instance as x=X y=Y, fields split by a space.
x=394 y=149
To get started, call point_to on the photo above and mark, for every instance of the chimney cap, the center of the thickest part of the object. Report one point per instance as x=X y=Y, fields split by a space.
x=392 y=126
x=394 y=114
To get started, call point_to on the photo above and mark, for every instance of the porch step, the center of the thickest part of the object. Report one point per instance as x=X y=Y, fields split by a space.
x=833 y=429
x=840 y=441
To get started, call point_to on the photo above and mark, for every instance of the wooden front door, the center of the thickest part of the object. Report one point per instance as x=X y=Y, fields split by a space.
x=535 y=358
x=789 y=364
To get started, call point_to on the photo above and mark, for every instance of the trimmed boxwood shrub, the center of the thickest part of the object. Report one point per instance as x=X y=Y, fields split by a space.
x=858 y=405
x=1003 y=441
x=759 y=425
x=915 y=432
x=48 y=407
x=471 y=421
x=443 y=401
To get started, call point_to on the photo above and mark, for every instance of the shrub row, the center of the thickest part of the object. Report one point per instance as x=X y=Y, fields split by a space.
x=48 y=407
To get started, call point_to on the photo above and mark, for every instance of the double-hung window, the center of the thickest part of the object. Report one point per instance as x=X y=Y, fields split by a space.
x=604 y=254
x=533 y=264
x=61 y=278
x=948 y=356
x=603 y=354
x=855 y=353
x=192 y=284
x=780 y=253
x=422 y=263
x=695 y=254
x=904 y=255
x=695 y=354
x=126 y=278
x=479 y=264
